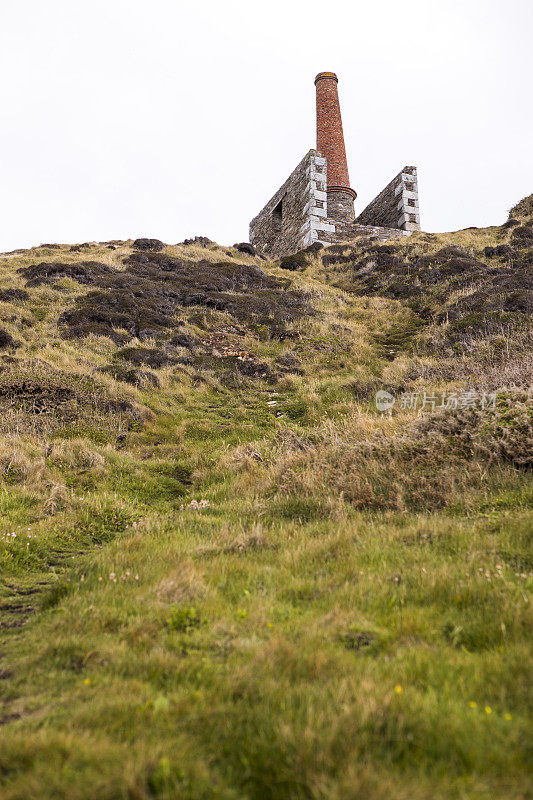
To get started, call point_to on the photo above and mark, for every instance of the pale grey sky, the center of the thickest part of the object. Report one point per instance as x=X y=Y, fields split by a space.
x=169 y=119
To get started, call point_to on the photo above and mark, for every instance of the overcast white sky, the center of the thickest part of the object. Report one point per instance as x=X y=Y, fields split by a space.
x=169 y=119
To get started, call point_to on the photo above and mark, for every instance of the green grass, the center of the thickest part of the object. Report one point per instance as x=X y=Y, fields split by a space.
x=286 y=639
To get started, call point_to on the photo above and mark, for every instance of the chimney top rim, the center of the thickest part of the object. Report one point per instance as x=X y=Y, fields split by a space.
x=326 y=76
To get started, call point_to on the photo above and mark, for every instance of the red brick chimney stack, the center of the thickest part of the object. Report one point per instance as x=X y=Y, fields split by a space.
x=330 y=143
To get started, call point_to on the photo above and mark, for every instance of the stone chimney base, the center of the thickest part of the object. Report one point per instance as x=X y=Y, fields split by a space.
x=340 y=204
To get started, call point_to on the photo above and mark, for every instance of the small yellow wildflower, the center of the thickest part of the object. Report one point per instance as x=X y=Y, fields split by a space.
x=488 y=710
x=398 y=689
x=270 y=624
x=87 y=681
x=508 y=716
x=472 y=704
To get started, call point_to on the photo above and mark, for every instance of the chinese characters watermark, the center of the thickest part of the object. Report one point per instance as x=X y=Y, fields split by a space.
x=425 y=401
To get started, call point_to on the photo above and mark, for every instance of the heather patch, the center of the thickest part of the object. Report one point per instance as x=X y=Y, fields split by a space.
x=13 y=295
x=523 y=209
x=143 y=300
x=152 y=245
x=6 y=340
x=84 y=272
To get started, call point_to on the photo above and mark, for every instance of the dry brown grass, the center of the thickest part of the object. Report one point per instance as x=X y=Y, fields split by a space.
x=425 y=465
x=181 y=585
x=522 y=209
x=21 y=461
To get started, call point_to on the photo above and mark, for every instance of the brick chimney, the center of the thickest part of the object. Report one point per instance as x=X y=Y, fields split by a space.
x=330 y=143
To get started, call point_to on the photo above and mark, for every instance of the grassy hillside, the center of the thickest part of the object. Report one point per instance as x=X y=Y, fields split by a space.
x=224 y=573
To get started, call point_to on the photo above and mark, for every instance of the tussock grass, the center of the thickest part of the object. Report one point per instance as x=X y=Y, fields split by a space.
x=429 y=464
x=523 y=209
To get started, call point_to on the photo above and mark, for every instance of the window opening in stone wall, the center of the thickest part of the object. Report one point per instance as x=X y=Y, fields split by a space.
x=277 y=216
x=410 y=202
x=412 y=218
x=410 y=187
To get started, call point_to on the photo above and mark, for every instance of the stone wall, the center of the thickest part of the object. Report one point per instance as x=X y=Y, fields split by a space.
x=397 y=205
x=299 y=215
x=295 y=216
x=347 y=232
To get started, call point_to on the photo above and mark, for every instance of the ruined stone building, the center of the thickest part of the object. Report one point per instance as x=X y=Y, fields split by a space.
x=316 y=202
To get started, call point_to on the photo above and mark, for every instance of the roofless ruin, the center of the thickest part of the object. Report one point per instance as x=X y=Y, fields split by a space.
x=316 y=202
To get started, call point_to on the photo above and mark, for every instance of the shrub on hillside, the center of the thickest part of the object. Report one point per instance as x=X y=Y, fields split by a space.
x=153 y=245
x=296 y=261
x=6 y=340
x=500 y=434
x=522 y=209
x=425 y=468
x=143 y=300
x=34 y=396
x=523 y=236
x=245 y=247
x=13 y=295
x=84 y=272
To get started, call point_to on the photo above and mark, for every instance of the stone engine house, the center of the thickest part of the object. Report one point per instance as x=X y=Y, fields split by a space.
x=316 y=202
